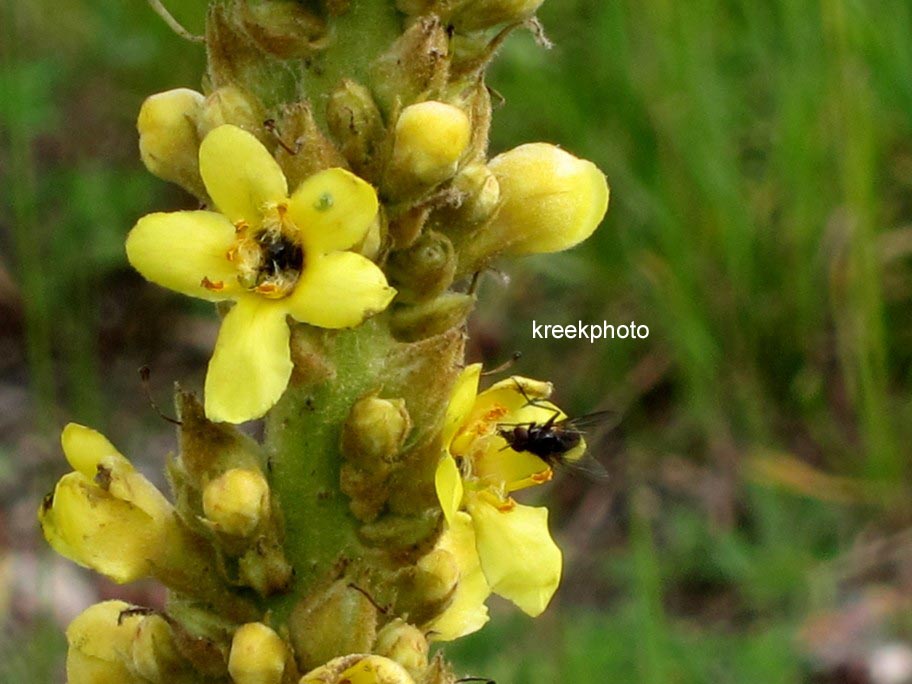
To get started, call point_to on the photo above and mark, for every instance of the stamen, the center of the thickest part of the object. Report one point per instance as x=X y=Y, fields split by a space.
x=217 y=285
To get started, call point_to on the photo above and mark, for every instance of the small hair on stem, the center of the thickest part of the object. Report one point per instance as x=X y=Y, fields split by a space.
x=173 y=23
x=144 y=373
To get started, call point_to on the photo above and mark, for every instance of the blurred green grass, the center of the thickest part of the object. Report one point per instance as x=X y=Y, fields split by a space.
x=760 y=159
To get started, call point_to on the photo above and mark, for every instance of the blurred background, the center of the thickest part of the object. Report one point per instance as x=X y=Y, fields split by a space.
x=757 y=526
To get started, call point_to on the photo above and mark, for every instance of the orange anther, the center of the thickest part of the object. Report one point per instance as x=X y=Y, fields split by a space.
x=543 y=476
x=213 y=286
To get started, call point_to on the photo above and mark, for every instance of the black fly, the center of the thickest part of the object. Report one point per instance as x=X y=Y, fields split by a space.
x=557 y=442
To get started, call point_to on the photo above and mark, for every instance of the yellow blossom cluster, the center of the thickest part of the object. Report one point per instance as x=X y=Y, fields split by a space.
x=354 y=201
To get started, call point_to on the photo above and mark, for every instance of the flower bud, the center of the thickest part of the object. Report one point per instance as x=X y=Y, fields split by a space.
x=100 y=641
x=168 y=137
x=416 y=63
x=332 y=622
x=551 y=200
x=425 y=589
x=357 y=125
x=475 y=15
x=418 y=322
x=257 y=655
x=478 y=196
x=430 y=139
x=303 y=148
x=424 y=270
x=359 y=669
x=283 y=28
x=231 y=105
x=405 y=644
x=154 y=653
x=236 y=501
x=264 y=566
x=105 y=516
x=375 y=431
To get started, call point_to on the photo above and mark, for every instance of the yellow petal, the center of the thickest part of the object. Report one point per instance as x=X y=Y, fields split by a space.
x=467 y=612
x=333 y=210
x=91 y=454
x=93 y=528
x=251 y=364
x=84 y=448
x=240 y=174
x=339 y=290
x=518 y=557
x=448 y=482
x=501 y=467
x=185 y=251
x=461 y=402
x=100 y=641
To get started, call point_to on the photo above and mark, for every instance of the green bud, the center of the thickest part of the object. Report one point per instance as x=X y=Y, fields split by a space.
x=332 y=622
x=477 y=195
x=434 y=317
x=303 y=149
x=402 y=532
x=209 y=449
x=357 y=125
x=406 y=226
x=416 y=63
x=265 y=568
x=232 y=105
x=283 y=28
x=476 y=15
x=426 y=588
x=155 y=654
x=424 y=270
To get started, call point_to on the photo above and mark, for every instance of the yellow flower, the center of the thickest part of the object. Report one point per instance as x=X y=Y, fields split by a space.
x=100 y=642
x=274 y=255
x=500 y=545
x=358 y=668
x=105 y=515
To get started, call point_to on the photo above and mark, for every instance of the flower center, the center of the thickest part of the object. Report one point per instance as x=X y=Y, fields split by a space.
x=269 y=258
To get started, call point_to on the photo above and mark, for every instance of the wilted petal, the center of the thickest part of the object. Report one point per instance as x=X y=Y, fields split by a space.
x=240 y=174
x=339 y=290
x=518 y=557
x=333 y=210
x=185 y=251
x=251 y=364
x=90 y=526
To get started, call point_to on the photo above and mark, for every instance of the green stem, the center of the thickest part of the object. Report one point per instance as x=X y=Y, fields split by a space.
x=302 y=439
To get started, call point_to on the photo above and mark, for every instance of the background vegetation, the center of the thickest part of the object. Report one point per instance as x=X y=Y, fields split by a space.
x=757 y=525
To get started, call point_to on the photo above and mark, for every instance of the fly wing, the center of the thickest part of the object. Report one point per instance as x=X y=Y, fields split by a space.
x=597 y=421
x=579 y=461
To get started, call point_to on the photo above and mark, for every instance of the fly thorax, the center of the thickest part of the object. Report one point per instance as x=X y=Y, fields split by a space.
x=269 y=258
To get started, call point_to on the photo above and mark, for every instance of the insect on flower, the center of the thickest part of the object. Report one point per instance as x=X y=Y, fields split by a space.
x=557 y=441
